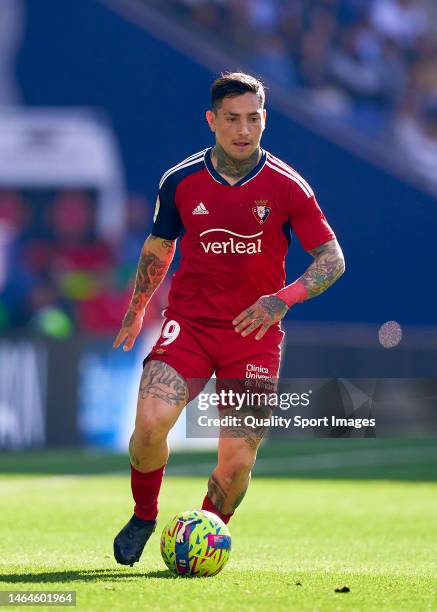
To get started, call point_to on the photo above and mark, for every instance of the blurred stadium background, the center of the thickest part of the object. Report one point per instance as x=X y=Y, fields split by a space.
x=99 y=97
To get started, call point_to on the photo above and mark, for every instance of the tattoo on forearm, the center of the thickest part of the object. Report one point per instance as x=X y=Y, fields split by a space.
x=151 y=271
x=327 y=267
x=161 y=381
x=233 y=167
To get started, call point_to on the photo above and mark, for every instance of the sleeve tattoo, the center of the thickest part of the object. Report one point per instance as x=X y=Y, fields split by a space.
x=327 y=267
x=150 y=272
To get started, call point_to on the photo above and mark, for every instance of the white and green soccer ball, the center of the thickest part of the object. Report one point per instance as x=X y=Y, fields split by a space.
x=195 y=543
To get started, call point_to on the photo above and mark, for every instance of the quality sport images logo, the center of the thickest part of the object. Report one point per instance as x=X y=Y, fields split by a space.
x=234 y=243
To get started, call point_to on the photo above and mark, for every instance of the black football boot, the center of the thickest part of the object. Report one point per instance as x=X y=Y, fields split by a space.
x=130 y=542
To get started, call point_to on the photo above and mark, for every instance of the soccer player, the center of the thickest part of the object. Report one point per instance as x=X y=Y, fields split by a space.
x=237 y=205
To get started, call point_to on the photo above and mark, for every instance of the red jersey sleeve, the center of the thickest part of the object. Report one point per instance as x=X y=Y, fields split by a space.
x=308 y=221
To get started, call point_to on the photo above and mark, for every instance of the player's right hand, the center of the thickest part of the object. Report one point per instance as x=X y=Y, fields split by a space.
x=131 y=327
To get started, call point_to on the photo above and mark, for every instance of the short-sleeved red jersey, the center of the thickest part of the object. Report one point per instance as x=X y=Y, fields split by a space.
x=234 y=237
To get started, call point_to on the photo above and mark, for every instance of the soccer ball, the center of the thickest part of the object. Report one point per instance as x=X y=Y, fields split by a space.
x=195 y=543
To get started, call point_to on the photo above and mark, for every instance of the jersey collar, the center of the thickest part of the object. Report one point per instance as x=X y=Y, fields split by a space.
x=245 y=179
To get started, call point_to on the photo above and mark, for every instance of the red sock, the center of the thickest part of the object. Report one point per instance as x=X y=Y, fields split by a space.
x=208 y=505
x=145 y=491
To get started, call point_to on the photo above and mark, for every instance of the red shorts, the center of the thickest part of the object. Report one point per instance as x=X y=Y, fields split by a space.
x=197 y=350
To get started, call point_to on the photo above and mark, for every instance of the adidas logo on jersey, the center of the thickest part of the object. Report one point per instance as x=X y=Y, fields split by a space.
x=201 y=209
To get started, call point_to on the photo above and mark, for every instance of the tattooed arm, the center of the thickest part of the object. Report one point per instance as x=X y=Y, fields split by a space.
x=327 y=267
x=155 y=259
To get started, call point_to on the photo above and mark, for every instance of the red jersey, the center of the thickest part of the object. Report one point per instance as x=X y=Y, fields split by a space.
x=234 y=237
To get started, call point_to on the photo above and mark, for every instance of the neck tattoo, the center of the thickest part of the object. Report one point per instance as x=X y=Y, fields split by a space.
x=234 y=168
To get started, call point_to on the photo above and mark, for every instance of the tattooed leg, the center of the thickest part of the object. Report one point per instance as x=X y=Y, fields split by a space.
x=216 y=493
x=226 y=501
x=161 y=381
x=162 y=396
x=230 y=480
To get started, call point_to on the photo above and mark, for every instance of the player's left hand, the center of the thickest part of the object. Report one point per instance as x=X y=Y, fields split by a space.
x=266 y=311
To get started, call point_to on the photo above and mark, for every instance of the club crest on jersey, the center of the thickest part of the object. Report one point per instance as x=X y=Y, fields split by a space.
x=261 y=211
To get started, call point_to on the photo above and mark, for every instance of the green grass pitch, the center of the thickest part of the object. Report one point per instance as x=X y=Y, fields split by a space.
x=319 y=515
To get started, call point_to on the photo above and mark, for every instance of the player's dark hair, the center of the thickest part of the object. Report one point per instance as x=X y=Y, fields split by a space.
x=231 y=84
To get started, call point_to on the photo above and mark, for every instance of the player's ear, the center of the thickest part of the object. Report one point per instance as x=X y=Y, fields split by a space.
x=210 y=117
x=264 y=118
